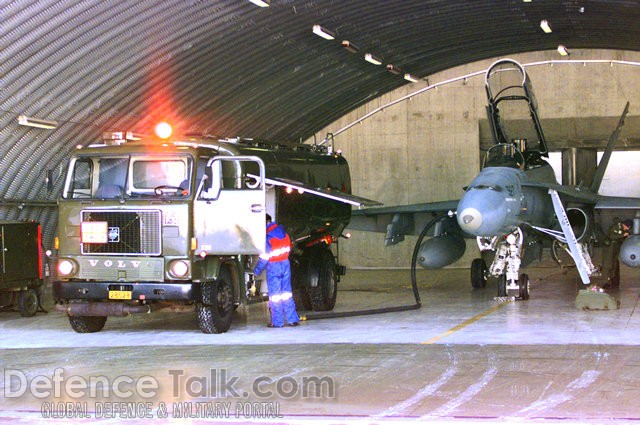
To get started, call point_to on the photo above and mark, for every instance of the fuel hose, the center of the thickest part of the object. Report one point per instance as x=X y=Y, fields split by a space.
x=414 y=285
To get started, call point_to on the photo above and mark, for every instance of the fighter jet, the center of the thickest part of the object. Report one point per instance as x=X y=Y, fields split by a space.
x=514 y=206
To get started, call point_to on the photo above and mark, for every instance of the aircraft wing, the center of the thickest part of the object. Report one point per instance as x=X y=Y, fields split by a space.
x=568 y=193
x=600 y=202
x=398 y=221
x=617 y=203
x=334 y=194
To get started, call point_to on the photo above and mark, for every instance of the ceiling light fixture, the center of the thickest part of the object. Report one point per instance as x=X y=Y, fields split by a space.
x=563 y=50
x=350 y=46
x=324 y=33
x=411 y=78
x=372 y=59
x=261 y=3
x=35 y=122
x=544 y=24
x=393 y=69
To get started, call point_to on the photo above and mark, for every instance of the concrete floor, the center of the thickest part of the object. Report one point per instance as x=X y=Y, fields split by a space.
x=461 y=357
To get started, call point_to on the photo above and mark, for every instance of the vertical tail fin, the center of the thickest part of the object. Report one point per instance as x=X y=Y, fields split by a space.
x=604 y=162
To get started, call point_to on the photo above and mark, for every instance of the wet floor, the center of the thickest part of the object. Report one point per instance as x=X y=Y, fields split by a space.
x=463 y=356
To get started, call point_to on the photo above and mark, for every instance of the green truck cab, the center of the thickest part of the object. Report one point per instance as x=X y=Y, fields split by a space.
x=149 y=225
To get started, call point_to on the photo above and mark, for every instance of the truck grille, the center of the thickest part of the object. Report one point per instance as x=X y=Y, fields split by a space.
x=130 y=232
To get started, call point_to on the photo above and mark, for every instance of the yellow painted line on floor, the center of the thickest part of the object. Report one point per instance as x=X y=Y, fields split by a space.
x=465 y=323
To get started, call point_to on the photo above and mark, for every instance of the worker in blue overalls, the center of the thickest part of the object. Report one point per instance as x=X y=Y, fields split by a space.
x=276 y=261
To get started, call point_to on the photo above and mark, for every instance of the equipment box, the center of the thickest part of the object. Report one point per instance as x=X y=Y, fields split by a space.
x=21 y=282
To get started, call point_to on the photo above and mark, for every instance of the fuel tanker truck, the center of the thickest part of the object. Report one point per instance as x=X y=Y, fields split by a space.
x=156 y=224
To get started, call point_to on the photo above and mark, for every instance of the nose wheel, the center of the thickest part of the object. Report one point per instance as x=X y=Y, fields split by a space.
x=519 y=289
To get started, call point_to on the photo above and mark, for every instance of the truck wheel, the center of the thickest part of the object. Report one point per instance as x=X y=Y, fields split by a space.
x=87 y=324
x=478 y=273
x=299 y=271
x=323 y=271
x=301 y=299
x=28 y=303
x=216 y=310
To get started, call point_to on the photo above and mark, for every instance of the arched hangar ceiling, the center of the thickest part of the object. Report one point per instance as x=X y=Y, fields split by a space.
x=232 y=68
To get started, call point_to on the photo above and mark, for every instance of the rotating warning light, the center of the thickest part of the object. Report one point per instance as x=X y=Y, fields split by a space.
x=163 y=130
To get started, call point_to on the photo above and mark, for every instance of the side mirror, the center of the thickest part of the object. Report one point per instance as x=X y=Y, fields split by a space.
x=211 y=181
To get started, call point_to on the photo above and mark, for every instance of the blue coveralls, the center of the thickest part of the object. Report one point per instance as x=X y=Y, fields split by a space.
x=276 y=261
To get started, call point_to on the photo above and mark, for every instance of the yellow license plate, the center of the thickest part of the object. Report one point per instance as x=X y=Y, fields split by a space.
x=119 y=295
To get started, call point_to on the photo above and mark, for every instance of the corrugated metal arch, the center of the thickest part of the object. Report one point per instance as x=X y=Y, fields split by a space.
x=231 y=68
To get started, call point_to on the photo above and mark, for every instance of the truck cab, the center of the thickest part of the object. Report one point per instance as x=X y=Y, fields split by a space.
x=148 y=225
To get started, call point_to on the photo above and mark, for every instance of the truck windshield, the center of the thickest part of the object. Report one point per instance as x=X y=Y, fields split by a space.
x=131 y=176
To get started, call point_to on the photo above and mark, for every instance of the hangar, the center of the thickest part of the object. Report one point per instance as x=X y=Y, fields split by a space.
x=238 y=69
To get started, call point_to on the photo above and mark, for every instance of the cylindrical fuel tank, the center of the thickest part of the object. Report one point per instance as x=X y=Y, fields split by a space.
x=304 y=214
x=630 y=251
x=440 y=251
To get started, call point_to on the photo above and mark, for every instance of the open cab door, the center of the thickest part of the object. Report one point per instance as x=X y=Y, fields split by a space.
x=229 y=212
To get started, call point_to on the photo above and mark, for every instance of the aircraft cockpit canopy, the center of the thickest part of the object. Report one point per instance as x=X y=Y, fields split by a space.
x=504 y=155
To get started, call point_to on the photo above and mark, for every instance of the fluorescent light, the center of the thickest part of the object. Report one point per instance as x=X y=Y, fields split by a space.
x=411 y=78
x=393 y=69
x=350 y=46
x=324 y=33
x=35 y=122
x=261 y=3
x=372 y=59
x=563 y=50
x=545 y=26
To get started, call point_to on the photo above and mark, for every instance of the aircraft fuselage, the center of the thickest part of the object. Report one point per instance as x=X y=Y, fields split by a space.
x=496 y=202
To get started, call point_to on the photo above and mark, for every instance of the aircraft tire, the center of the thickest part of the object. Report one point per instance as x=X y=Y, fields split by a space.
x=523 y=282
x=216 y=310
x=87 y=324
x=478 y=273
x=502 y=285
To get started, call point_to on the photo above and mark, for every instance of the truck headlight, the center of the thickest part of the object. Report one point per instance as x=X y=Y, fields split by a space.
x=179 y=268
x=66 y=267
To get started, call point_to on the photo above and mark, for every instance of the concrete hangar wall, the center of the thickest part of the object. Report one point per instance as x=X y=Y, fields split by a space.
x=427 y=148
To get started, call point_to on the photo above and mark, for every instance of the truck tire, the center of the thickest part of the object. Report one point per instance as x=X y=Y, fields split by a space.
x=323 y=282
x=87 y=324
x=216 y=310
x=299 y=272
x=301 y=299
x=28 y=303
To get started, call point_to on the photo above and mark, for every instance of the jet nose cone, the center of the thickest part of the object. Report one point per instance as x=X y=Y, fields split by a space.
x=470 y=220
